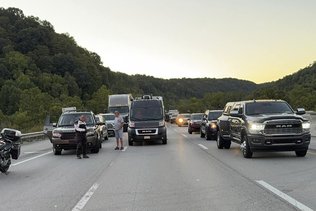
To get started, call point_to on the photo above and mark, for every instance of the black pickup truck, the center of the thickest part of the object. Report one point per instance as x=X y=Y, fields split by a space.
x=263 y=125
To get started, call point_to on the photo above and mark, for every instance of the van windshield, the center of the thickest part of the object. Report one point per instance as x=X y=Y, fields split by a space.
x=144 y=111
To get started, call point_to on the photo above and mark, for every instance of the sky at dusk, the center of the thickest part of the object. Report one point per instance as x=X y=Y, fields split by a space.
x=256 y=40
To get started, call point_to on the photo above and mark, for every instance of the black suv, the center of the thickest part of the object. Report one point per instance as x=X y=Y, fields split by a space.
x=209 y=124
x=147 y=121
x=264 y=125
x=64 y=135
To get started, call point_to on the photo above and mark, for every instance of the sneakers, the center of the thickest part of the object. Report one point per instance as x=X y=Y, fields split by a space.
x=85 y=156
x=117 y=148
x=78 y=156
x=122 y=148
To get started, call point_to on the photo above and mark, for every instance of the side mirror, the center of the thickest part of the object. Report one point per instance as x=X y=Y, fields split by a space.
x=300 y=111
x=235 y=113
x=54 y=124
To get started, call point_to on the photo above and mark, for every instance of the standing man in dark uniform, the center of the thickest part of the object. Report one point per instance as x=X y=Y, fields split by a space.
x=81 y=130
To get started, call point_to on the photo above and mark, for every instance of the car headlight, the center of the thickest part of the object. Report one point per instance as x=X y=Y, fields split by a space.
x=180 y=120
x=213 y=125
x=306 y=126
x=131 y=124
x=256 y=128
x=161 y=123
x=90 y=133
x=56 y=135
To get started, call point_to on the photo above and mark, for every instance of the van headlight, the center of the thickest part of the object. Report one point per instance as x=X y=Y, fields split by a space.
x=306 y=126
x=256 y=128
x=161 y=123
x=131 y=124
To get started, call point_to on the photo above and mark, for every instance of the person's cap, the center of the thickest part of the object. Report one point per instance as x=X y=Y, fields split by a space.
x=116 y=112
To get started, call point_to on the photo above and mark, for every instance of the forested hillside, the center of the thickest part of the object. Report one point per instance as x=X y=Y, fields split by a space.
x=42 y=71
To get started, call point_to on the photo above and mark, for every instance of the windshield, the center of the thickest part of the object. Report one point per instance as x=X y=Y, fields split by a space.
x=214 y=115
x=146 y=113
x=70 y=119
x=196 y=116
x=121 y=109
x=109 y=117
x=257 y=108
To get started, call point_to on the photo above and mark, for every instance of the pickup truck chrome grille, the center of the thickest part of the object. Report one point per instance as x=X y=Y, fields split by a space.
x=283 y=127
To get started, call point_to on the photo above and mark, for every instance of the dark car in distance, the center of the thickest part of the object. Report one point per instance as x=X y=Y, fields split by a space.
x=264 y=125
x=195 y=122
x=209 y=124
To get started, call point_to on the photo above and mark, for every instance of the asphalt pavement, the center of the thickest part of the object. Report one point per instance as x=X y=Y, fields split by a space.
x=189 y=173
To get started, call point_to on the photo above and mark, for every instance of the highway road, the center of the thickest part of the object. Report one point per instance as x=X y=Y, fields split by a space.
x=189 y=173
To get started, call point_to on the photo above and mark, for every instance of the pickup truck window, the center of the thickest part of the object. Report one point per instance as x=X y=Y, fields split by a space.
x=257 y=108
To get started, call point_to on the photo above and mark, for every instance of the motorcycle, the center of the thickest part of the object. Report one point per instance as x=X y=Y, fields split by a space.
x=10 y=147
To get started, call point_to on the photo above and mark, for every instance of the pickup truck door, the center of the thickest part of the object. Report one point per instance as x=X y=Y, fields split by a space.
x=236 y=123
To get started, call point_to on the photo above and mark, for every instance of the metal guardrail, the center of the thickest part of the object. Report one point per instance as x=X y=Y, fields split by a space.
x=32 y=136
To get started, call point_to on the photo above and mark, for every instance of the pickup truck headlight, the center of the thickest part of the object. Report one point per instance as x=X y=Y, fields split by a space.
x=256 y=128
x=306 y=126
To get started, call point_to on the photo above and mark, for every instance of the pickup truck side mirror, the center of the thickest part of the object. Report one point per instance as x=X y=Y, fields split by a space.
x=300 y=111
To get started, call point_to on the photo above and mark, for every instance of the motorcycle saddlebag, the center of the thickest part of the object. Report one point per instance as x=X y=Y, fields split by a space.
x=15 y=151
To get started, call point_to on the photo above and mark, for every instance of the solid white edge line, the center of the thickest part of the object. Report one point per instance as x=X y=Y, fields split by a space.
x=184 y=135
x=284 y=196
x=202 y=146
x=84 y=200
x=32 y=158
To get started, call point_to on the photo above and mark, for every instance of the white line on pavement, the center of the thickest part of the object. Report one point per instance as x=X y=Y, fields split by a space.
x=84 y=200
x=284 y=196
x=32 y=158
x=125 y=148
x=184 y=135
x=202 y=146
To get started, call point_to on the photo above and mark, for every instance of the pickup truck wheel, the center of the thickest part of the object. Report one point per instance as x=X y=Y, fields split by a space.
x=95 y=149
x=301 y=153
x=56 y=150
x=219 y=141
x=202 y=135
x=6 y=168
x=164 y=140
x=106 y=138
x=246 y=151
x=189 y=131
x=227 y=144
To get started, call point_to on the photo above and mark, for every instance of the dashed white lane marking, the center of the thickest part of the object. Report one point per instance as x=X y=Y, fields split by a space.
x=284 y=196
x=125 y=148
x=202 y=146
x=32 y=158
x=30 y=152
x=84 y=200
x=184 y=135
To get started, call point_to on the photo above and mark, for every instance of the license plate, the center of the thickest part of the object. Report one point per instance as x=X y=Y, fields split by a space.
x=146 y=137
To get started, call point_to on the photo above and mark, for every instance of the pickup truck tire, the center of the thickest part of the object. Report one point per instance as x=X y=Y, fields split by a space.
x=219 y=141
x=246 y=151
x=56 y=150
x=164 y=140
x=189 y=131
x=227 y=144
x=301 y=153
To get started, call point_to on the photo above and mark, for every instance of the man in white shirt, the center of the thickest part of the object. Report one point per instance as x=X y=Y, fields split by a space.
x=118 y=128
